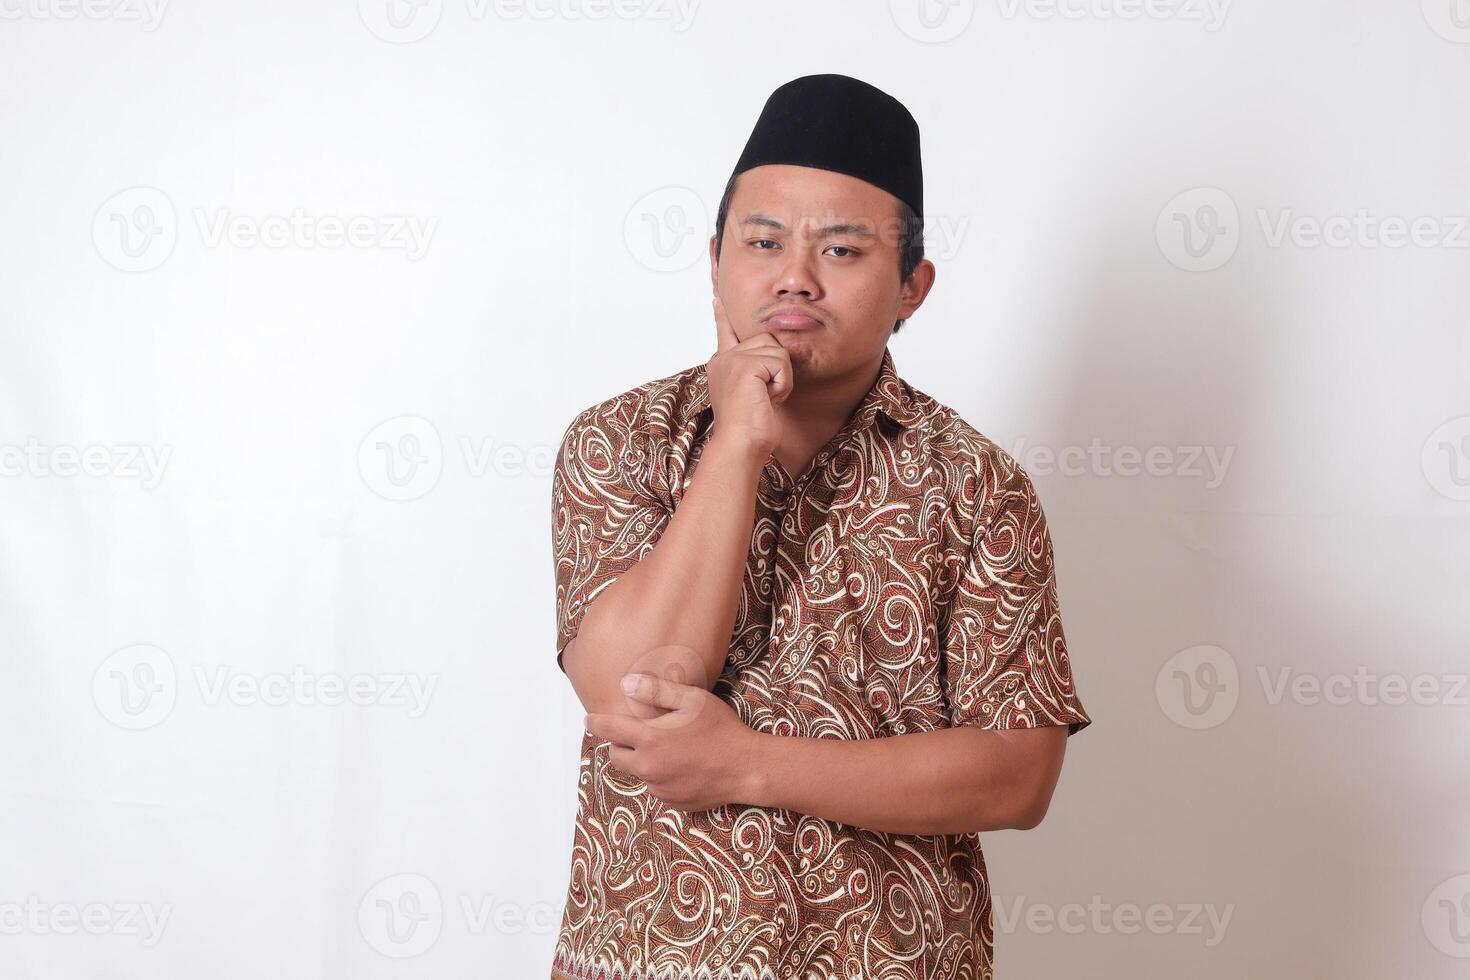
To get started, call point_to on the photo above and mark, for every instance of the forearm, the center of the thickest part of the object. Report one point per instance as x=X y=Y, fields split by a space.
x=949 y=781
x=680 y=597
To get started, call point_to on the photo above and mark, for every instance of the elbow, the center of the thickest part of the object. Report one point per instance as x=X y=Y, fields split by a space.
x=1032 y=809
x=595 y=668
x=1030 y=818
x=1035 y=776
x=1020 y=810
x=592 y=690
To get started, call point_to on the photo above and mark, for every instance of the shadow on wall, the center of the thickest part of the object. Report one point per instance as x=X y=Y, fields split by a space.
x=1270 y=810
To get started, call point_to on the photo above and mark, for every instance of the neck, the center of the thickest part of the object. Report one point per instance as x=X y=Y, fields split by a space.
x=814 y=412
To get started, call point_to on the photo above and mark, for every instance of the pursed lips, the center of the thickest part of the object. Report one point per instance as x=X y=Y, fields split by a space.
x=793 y=318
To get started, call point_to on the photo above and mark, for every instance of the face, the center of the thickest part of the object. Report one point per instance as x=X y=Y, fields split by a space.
x=823 y=243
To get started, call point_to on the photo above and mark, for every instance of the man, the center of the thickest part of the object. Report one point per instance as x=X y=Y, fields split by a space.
x=810 y=611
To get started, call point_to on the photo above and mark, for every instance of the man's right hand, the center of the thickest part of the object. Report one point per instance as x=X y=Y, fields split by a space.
x=747 y=380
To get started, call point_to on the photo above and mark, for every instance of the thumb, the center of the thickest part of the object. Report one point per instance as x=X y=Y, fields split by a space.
x=724 y=333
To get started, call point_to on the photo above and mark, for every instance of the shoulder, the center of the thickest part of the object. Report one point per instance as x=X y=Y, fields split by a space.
x=984 y=484
x=951 y=440
x=625 y=426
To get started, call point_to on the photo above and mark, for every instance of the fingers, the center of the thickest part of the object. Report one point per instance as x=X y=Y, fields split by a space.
x=780 y=385
x=777 y=365
x=763 y=345
x=654 y=690
x=618 y=729
x=623 y=758
x=763 y=339
x=724 y=333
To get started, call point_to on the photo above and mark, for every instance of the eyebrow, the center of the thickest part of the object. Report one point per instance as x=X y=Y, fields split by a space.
x=845 y=228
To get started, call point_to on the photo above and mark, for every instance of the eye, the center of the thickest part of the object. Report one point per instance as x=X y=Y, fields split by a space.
x=845 y=249
x=758 y=241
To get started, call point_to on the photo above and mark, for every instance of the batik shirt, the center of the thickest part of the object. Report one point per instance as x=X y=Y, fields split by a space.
x=902 y=583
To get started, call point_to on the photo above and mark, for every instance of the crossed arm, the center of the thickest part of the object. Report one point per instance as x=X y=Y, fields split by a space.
x=698 y=755
x=950 y=781
x=663 y=627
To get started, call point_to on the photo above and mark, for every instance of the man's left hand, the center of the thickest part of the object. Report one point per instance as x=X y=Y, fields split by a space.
x=695 y=756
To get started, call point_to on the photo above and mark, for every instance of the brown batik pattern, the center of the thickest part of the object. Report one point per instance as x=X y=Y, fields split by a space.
x=903 y=583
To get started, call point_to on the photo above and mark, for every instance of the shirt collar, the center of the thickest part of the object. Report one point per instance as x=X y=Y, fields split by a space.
x=888 y=394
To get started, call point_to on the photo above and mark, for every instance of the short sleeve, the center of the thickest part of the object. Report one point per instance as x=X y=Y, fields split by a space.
x=1006 y=659
x=605 y=516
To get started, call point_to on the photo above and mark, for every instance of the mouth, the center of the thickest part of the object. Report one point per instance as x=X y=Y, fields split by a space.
x=792 y=318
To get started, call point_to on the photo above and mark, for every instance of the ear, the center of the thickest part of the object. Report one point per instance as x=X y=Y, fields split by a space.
x=915 y=289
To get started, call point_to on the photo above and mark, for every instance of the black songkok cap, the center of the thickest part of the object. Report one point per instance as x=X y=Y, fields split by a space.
x=833 y=122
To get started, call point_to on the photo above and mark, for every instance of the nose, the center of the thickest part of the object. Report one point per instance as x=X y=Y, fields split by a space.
x=797 y=276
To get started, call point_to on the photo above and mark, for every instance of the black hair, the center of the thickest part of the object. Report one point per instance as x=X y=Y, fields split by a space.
x=910 y=236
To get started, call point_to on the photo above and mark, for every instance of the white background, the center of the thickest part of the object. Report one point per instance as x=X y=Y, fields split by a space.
x=351 y=448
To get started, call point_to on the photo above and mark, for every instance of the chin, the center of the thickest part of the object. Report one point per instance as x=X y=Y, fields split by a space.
x=798 y=345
